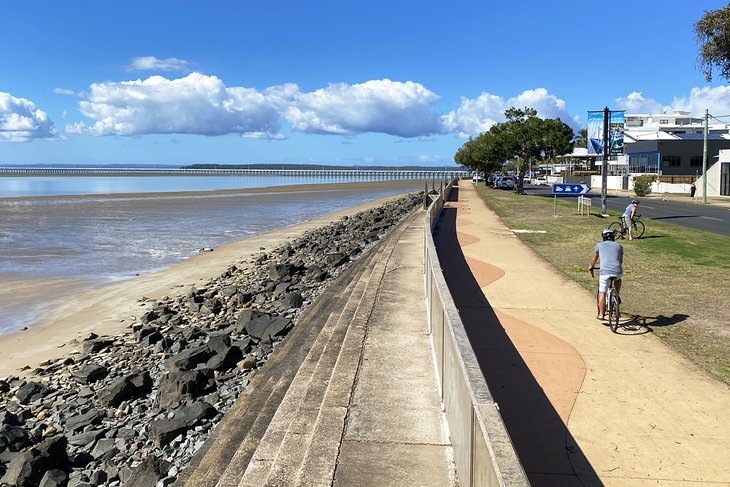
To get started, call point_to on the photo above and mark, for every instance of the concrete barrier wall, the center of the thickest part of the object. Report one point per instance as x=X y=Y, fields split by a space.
x=483 y=451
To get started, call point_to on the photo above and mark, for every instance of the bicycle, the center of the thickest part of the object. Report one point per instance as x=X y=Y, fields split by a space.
x=613 y=303
x=620 y=230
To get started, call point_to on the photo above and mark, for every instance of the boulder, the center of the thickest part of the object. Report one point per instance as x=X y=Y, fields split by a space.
x=90 y=373
x=188 y=359
x=147 y=474
x=182 y=386
x=54 y=478
x=31 y=391
x=80 y=421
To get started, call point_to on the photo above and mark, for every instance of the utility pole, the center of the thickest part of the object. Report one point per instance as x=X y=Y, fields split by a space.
x=704 y=159
x=604 y=165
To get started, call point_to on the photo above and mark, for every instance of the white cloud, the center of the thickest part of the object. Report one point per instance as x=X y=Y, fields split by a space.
x=64 y=91
x=195 y=104
x=475 y=116
x=402 y=109
x=22 y=121
x=716 y=100
x=151 y=63
x=636 y=103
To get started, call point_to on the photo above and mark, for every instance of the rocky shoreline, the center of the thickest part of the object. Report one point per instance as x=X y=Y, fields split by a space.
x=132 y=409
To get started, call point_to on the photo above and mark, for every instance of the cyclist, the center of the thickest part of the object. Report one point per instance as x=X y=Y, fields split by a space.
x=628 y=216
x=611 y=256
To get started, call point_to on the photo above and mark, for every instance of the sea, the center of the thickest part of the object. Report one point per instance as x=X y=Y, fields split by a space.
x=94 y=230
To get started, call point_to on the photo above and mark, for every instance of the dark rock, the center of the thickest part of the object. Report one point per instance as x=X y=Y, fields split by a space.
x=96 y=345
x=31 y=391
x=14 y=438
x=147 y=474
x=90 y=373
x=80 y=421
x=337 y=259
x=291 y=300
x=188 y=359
x=278 y=272
x=126 y=387
x=225 y=360
x=219 y=343
x=196 y=412
x=54 y=478
x=8 y=418
x=163 y=431
x=25 y=469
x=104 y=449
x=98 y=477
x=86 y=438
x=259 y=325
x=179 y=387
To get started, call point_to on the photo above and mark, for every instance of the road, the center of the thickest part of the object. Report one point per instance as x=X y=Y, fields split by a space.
x=709 y=218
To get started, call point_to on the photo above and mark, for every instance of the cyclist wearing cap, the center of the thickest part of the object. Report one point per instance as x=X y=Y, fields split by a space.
x=611 y=256
x=628 y=216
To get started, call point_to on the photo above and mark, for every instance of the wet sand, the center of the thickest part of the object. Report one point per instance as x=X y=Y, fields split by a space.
x=109 y=309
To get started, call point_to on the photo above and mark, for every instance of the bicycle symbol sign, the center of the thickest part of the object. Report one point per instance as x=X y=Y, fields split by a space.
x=570 y=189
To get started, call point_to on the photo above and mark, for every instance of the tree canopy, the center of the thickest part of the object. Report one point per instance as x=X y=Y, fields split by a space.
x=523 y=138
x=713 y=37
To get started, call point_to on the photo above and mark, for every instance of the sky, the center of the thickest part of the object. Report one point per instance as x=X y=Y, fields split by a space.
x=328 y=82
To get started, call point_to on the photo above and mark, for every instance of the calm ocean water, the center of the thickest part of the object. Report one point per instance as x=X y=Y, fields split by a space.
x=102 y=238
x=75 y=185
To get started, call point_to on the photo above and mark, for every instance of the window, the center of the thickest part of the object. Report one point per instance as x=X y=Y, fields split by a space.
x=664 y=121
x=695 y=160
x=671 y=161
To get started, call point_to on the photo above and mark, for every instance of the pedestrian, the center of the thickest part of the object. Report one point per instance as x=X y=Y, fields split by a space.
x=692 y=190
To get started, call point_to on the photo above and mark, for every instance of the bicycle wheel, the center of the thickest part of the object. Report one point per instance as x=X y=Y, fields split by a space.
x=638 y=230
x=617 y=229
x=613 y=311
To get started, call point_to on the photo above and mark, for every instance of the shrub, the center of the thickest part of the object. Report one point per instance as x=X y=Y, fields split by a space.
x=642 y=185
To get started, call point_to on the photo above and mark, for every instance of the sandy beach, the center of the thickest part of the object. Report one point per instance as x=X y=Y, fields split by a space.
x=108 y=309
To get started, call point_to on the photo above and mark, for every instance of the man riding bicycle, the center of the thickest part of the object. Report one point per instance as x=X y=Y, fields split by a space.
x=628 y=216
x=611 y=256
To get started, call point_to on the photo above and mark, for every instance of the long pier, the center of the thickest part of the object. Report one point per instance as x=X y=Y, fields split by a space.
x=152 y=171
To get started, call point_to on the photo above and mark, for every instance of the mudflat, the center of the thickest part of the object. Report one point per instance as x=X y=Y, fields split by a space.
x=108 y=309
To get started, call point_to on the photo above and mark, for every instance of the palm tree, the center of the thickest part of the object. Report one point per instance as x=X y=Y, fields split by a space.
x=581 y=140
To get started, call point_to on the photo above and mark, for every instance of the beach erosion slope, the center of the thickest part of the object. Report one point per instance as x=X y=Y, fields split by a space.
x=109 y=309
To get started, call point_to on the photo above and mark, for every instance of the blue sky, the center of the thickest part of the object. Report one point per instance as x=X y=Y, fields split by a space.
x=327 y=82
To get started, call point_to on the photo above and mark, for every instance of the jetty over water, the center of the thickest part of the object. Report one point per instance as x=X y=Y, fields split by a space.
x=168 y=171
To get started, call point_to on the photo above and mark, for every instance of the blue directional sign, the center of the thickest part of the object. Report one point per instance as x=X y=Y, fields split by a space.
x=570 y=189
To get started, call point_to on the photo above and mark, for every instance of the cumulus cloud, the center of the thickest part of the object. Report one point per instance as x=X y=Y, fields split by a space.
x=195 y=104
x=151 y=63
x=403 y=109
x=635 y=102
x=716 y=100
x=22 y=121
x=477 y=115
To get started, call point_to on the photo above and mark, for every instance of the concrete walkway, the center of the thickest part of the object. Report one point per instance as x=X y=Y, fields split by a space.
x=583 y=406
x=350 y=398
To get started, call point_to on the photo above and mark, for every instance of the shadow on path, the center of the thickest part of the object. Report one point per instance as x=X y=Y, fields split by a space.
x=548 y=452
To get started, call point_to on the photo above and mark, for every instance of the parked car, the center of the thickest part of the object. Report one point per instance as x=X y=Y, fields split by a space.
x=505 y=182
x=477 y=178
x=541 y=181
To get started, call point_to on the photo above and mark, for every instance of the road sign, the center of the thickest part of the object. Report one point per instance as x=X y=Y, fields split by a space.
x=570 y=189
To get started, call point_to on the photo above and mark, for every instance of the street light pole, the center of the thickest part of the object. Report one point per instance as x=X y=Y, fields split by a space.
x=604 y=165
x=704 y=159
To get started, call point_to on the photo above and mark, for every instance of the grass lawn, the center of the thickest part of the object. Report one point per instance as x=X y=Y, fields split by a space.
x=676 y=279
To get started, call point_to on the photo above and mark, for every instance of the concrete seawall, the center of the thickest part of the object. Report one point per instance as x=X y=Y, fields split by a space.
x=483 y=452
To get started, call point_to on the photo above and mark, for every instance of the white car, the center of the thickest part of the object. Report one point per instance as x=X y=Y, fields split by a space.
x=541 y=181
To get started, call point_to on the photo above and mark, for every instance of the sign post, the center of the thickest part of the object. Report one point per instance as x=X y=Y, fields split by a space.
x=565 y=189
